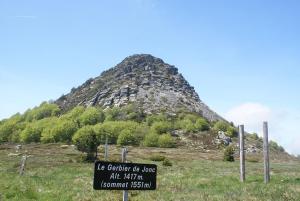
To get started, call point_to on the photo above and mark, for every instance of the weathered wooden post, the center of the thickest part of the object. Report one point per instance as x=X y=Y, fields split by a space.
x=242 y=153
x=124 y=153
x=23 y=164
x=266 y=153
x=106 y=149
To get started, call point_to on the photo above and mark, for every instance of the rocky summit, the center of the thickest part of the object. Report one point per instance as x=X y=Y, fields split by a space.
x=142 y=79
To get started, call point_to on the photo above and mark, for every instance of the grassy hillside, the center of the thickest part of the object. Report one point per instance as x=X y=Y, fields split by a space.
x=57 y=173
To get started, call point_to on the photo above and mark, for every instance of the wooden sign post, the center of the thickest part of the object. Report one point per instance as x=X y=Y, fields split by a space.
x=125 y=192
x=242 y=153
x=106 y=149
x=124 y=176
x=266 y=153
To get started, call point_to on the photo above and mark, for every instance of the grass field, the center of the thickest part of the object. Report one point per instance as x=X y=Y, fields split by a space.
x=55 y=173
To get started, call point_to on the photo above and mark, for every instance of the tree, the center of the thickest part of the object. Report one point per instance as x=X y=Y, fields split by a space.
x=60 y=132
x=33 y=130
x=86 y=141
x=127 y=137
x=43 y=111
x=91 y=116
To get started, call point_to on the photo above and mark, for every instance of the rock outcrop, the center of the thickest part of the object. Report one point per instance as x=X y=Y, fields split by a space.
x=141 y=79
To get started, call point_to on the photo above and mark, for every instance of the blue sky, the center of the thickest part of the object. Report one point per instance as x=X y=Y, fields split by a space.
x=242 y=56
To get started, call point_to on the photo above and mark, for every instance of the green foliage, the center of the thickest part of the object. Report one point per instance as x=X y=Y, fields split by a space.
x=229 y=130
x=273 y=145
x=91 y=116
x=115 y=114
x=85 y=139
x=229 y=154
x=150 y=119
x=166 y=141
x=221 y=126
x=112 y=129
x=62 y=131
x=161 y=127
x=232 y=132
x=127 y=137
x=254 y=136
x=157 y=158
x=167 y=162
x=151 y=140
x=33 y=131
x=191 y=123
x=42 y=111
x=10 y=128
x=74 y=114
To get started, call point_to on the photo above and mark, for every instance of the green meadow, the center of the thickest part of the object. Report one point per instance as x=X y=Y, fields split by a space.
x=55 y=172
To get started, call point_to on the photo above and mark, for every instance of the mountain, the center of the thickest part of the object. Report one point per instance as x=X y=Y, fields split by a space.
x=141 y=79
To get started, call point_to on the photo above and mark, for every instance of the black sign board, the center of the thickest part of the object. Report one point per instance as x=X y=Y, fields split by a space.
x=124 y=176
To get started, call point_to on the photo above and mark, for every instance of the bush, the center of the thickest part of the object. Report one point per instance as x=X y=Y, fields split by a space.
x=221 y=126
x=42 y=111
x=167 y=162
x=127 y=137
x=157 y=158
x=166 y=141
x=150 y=119
x=85 y=140
x=151 y=140
x=192 y=123
x=74 y=114
x=112 y=130
x=91 y=116
x=33 y=131
x=61 y=132
x=229 y=154
x=161 y=127
x=202 y=125
x=231 y=132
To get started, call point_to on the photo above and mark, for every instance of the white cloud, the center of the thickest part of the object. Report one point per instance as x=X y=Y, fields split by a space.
x=282 y=123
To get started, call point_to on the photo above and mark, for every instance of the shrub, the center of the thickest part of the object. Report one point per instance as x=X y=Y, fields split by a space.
x=74 y=114
x=42 y=111
x=157 y=158
x=231 y=132
x=114 y=114
x=167 y=162
x=61 y=132
x=229 y=153
x=112 y=129
x=33 y=131
x=86 y=141
x=127 y=137
x=150 y=119
x=91 y=116
x=166 y=141
x=221 y=126
x=161 y=127
x=202 y=125
x=151 y=140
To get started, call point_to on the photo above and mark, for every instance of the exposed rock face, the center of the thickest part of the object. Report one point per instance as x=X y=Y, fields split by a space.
x=143 y=79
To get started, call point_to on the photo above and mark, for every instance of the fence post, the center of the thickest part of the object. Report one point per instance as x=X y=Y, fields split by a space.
x=124 y=153
x=23 y=164
x=242 y=153
x=106 y=149
x=266 y=153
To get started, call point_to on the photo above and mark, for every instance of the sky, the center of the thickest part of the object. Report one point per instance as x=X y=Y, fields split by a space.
x=241 y=56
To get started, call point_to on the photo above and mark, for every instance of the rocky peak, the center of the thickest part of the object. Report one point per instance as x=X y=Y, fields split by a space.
x=142 y=79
